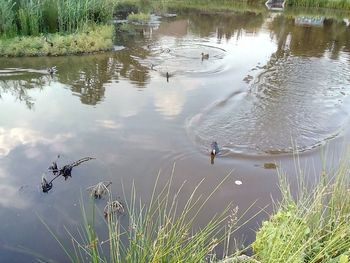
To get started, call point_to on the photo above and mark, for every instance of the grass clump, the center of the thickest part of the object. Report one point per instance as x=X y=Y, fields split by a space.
x=24 y=23
x=32 y=17
x=7 y=18
x=161 y=230
x=91 y=39
x=314 y=227
x=139 y=17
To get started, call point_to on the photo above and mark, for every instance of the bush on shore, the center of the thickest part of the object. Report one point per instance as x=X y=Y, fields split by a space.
x=33 y=17
x=314 y=227
x=90 y=39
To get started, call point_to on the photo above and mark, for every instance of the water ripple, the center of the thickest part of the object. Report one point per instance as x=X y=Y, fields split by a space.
x=295 y=102
x=184 y=58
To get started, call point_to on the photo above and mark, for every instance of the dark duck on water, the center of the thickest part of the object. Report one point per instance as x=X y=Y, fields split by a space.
x=214 y=149
x=205 y=56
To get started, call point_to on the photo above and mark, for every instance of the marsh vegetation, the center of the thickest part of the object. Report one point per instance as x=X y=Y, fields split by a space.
x=34 y=28
x=138 y=109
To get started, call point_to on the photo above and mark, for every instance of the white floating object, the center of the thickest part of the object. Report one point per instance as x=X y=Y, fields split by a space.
x=238 y=182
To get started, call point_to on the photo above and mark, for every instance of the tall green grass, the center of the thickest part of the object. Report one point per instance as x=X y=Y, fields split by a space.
x=7 y=18
x=161 y=230
x=31 y=17
x=312 y=227
x=89 y=39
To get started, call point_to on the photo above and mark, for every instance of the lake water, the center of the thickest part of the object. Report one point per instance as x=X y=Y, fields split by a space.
x=272 y=85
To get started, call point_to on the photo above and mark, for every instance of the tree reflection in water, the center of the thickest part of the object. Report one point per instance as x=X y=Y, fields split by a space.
x=86 y=76
x=19 y=85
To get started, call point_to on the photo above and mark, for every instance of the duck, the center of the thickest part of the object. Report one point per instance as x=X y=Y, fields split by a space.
x=49 y=42
x=99 y=189
x=113 y=207
x=214 y=149
x=205 y=56
x=52 y=70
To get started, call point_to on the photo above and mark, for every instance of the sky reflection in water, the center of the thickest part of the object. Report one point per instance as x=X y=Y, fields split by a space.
x=264 y=76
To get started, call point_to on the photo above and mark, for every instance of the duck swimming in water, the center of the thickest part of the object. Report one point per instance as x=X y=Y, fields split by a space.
x=52 y=70
x=114 y=207
x=205 y=56
x=214 y=149
x=99 y=189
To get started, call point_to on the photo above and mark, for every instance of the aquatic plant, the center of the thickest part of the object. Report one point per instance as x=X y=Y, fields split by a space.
x=31 y=17
x=91 y=39
x=139 y=17
x=314 y=227
x=161 y=230
x=7 y=18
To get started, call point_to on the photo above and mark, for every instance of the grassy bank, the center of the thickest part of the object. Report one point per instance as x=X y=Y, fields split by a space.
x=314 y=226
x=217 y=4
x=35 y=17
x=54 y=27
x=199 y=5
x=337 y=15
x=249 y=5
x=89 y=39
x=333 y=4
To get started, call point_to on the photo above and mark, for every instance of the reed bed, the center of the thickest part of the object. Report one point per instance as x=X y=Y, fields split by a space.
x=32 y=17
x=7 y=18
x=160 y=230
x=89 y=39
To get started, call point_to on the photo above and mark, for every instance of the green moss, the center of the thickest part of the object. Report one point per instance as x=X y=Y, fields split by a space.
x=90 y=39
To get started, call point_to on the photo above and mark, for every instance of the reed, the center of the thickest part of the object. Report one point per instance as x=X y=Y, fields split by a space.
x=161 y=230
x=73 y=15
x=32 y=17
x=7 y=18
x=29 y=16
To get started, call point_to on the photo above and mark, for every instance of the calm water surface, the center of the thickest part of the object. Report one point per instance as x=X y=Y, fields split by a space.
x=271 y=85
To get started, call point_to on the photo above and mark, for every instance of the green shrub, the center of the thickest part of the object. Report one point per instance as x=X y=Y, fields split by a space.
x=91 y=39
x=313 y=227
x=139 y=17
x=32 y=17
